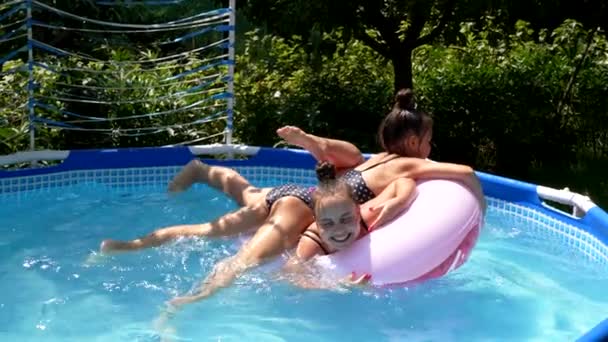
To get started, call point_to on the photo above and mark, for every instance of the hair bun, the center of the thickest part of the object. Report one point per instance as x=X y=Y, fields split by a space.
x=405 y=99
x=326 y=171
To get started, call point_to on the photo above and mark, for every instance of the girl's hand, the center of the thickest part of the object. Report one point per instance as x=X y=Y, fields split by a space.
x=352 y=280
x=386 y=212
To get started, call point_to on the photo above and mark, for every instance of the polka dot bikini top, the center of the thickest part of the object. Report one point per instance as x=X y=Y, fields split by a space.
x=361 y=192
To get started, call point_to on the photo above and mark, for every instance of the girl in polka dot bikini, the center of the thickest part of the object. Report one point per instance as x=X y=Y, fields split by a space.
x=284 y=214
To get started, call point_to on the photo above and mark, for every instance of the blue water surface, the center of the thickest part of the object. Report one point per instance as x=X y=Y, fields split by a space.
x=517 y=286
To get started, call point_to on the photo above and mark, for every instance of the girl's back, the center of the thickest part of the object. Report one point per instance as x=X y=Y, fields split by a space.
x=382 y=169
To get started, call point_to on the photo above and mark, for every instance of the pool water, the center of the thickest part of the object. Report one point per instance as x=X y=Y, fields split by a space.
x=517 y=286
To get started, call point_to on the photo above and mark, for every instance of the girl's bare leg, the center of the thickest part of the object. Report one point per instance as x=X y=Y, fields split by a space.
x=222 y=178
x=230 y=224
x=288 y=218
x=341 y=153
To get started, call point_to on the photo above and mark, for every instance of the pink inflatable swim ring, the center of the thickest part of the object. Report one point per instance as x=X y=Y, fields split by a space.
x=433 y=237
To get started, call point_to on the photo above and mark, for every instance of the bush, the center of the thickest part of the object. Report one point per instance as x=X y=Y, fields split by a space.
x=101 y=90
x=506 y=106
x=344 y=94
x=14 y=112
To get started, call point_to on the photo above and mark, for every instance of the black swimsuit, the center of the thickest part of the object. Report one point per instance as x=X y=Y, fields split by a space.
x=361 y=192
x=301 y=192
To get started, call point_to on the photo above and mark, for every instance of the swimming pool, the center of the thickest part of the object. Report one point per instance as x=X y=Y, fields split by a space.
x=522 y=282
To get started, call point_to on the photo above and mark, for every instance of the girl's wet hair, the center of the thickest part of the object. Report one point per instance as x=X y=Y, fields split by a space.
x=403 y=119
x=329 y=184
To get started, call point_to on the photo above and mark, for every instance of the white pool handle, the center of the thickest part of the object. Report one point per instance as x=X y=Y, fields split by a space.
x=580 y=204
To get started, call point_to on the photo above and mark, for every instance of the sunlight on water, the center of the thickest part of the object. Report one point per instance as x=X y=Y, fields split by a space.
x=516 y=286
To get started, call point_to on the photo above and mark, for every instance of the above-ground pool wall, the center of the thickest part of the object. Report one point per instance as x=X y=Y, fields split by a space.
x=595 y=221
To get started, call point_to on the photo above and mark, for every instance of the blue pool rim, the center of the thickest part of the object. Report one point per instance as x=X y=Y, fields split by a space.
x=594 y=222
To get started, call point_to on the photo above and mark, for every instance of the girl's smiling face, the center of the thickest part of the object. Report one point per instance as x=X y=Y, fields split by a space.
x=338 y=220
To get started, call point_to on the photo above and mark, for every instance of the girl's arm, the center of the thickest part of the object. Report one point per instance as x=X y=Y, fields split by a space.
x=299 y=271
x=305 y=275
x=424 y=169
x=394 y=199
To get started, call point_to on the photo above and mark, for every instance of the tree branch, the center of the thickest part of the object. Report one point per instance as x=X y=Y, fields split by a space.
x=388 y=31
x=436 y=31
x=575 y=72
x=420 y=13
x=378 y=46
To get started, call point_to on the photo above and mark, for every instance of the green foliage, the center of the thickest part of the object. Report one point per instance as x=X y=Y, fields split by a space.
x=504 y=104
x=344 y=96
x=393 y=29
x=112 y=91
x=122 y=91
x=14 y=112
x=109 y=76
x=89 y=42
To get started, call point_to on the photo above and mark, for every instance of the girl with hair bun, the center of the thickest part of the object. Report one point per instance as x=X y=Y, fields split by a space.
x=338 y=214
x=406 y=131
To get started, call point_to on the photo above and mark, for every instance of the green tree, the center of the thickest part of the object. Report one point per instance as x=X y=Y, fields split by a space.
x=395 y=29
x=392 y=28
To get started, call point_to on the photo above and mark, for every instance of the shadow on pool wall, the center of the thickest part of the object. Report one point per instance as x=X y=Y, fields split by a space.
x=517 y=193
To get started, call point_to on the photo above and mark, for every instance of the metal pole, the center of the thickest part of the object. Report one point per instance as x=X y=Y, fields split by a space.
x=231 y=42
x=30 y=68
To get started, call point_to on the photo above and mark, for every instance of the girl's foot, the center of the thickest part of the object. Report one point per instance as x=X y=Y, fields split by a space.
x=189 y=175
x=295 y=136
x=112 y=246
